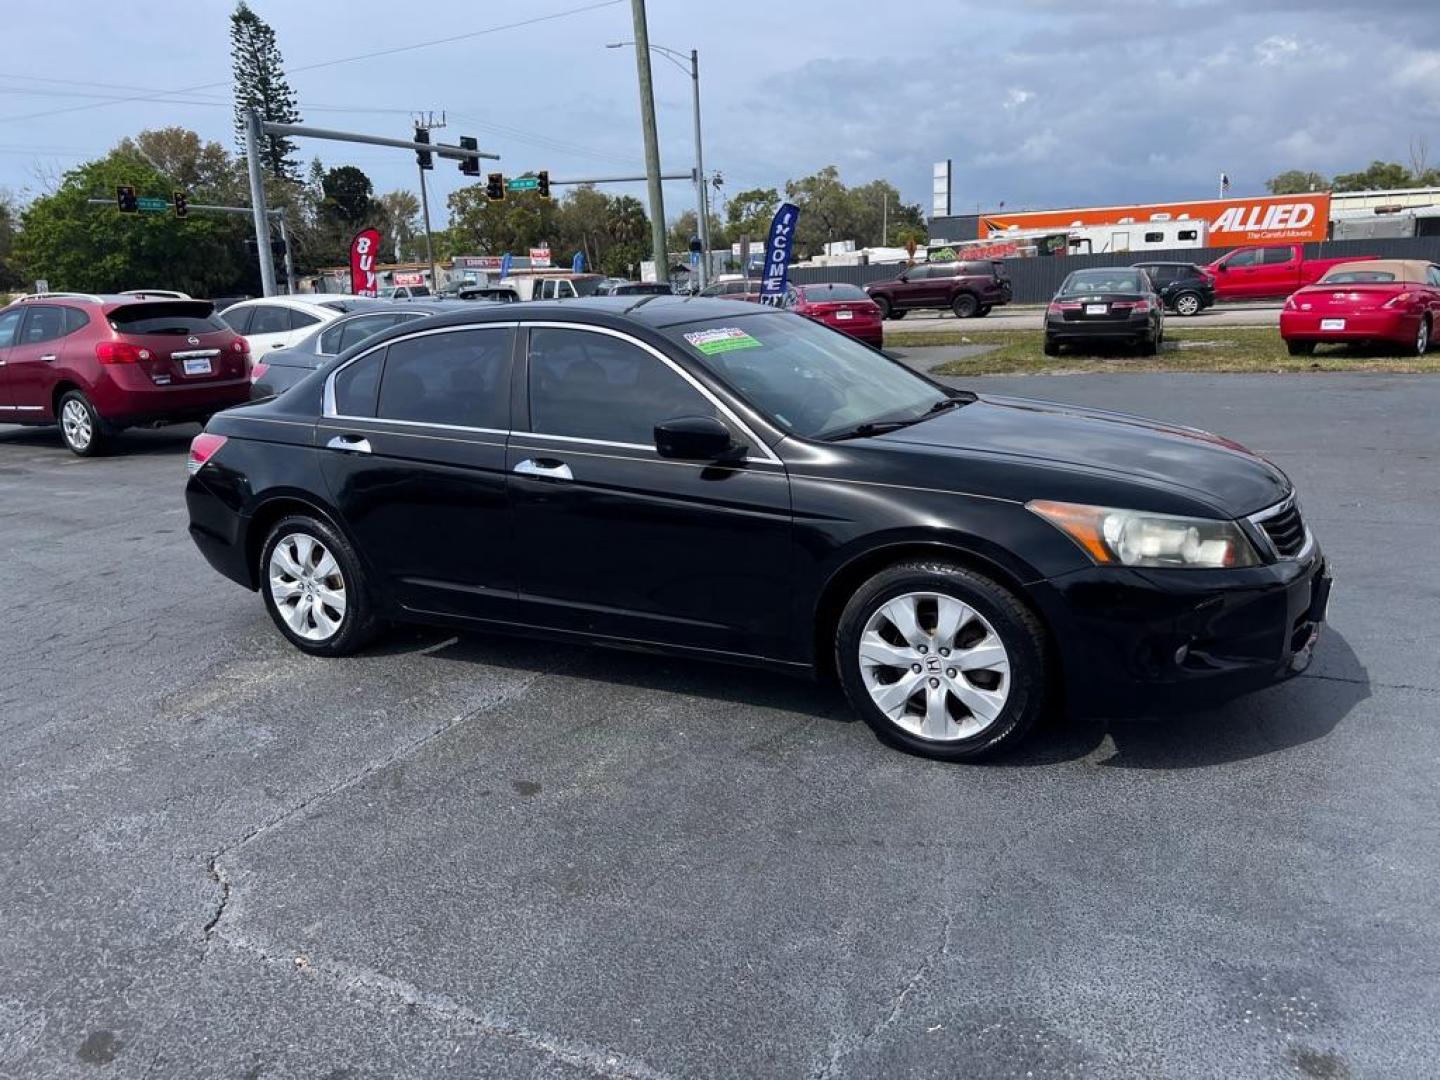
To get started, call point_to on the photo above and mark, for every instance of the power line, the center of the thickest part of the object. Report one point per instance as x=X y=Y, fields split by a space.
x=163 y=95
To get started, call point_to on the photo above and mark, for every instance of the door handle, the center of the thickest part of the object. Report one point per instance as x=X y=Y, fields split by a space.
x=354 y=444
x=548 y=468
x=50 y=356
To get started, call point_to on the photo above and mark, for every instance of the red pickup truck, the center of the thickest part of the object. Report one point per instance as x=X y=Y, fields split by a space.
x=1255 y=273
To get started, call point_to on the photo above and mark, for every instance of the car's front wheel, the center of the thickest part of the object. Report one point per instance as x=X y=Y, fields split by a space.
x=81 y=428
x=941 y=661
x=314 y=588
x=887 y=310
x=1187 y=304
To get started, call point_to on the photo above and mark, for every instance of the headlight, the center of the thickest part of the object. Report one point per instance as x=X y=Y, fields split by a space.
x=1133 y=538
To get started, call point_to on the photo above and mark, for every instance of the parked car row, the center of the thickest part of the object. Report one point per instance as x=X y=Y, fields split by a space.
x=1373 y=301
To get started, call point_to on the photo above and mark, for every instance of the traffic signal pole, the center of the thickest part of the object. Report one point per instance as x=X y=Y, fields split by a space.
x=257 y=202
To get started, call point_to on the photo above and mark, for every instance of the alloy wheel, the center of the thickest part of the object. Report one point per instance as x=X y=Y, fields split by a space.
x=75 y=422
x=1187 y=305
x=935 y=666
x=307 y=587
x=1422 y=339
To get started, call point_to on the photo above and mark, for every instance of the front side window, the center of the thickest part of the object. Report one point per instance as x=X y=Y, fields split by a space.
x=459 y=378
x=9 y=323
x=1244 y=258
x=585 y=385
x=269 y=319
x=808 y=379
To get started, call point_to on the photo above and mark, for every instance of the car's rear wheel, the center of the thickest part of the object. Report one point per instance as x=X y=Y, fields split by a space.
x=941 y=661
x=314 y=588
x=1422 y=337
x=1148 y=346
x=1187 y=304
x=81 y=428
x=965 y=306
x=1300 y=348
x=1051 y=348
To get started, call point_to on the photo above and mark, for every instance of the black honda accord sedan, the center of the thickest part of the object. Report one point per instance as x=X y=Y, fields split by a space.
x=727 y=481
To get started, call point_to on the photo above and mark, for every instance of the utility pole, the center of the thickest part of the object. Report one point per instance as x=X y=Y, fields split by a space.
x=652 y=141
x=257 y=203
x=427 y=124
x=885 y=222
x=289 y=259
x=704 y=222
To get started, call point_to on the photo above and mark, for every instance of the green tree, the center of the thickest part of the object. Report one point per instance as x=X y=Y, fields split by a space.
x=749 y=212
x=10 y=276
x=260 y=84
x=682 y=229
x=878 y=215
x=518 y=222
x=97 y=249
x=827 y=210
x=397 y=215
x=1296 y=182
x=1381 y=176
x=346 y=193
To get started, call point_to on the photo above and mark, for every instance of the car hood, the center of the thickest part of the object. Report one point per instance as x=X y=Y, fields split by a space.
x=1211 y=468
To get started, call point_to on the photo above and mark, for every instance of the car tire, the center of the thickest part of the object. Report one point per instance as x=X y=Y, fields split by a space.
x=1148 y=346
x=1051 y=348
x=1188 y=304
x=81 y=429
x=952 y=612
x=964 y=305
x=1422 y=337
x=983 y=310
x=883 y=303
x=898 y=313
x=307 y=561
x=1300 y=348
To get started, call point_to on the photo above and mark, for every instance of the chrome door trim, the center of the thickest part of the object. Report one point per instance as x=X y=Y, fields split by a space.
x=531 y=467
x=350 y=444
x=725 y=410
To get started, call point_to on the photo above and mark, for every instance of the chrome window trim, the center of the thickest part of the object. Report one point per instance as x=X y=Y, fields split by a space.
x=413 y=423
x=653 y=459
x=327 y=408
x=1258 y=518
x=705 y=392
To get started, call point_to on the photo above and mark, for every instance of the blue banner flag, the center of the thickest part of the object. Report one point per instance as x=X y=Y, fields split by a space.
x=778 y=246
x=505 y=261
x=577 y=264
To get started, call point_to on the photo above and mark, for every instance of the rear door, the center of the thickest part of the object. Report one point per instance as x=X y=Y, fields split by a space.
x=414 y=433
x=9 y=324
x=30 y=367
x=1279 y=271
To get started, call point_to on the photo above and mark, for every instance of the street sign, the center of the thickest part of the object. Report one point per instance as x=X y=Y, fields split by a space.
x=523 y=183
x=152 y=205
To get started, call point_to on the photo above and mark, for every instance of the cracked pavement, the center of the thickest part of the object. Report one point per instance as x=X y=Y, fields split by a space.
x=472 y=856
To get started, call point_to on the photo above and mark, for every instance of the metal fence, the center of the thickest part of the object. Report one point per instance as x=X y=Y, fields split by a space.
x=1036 y=280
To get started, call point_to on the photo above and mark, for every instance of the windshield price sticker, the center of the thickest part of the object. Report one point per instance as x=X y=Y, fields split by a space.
x=725 y=339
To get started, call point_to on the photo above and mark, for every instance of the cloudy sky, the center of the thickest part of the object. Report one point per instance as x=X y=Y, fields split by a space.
x=1038 y=102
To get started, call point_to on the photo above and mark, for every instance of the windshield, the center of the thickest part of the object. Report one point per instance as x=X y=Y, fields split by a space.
x=1103 y=281
x=586 y=286
x=1358 y=277
x=810 y=380
x=823 y=294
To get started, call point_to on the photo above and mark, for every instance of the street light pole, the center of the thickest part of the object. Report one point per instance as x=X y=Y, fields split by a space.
x=652 y=141
x=257 y=203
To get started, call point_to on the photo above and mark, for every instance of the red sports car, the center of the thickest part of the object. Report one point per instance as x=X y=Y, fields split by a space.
x=1394 y=301
x=841 y=307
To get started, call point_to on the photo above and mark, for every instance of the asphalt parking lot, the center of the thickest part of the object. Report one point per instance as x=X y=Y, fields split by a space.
x=480 y=857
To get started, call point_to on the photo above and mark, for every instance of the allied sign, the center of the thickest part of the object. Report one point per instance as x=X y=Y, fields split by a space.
x=778 y=246
x=364 y=251
x=1300 y=219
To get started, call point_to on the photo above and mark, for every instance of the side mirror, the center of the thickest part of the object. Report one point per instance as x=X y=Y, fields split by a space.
x=904 y=277
x=694 y=438
x=1222 y=267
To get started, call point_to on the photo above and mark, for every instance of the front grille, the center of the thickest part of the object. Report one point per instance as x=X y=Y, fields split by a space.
x=1286 y=531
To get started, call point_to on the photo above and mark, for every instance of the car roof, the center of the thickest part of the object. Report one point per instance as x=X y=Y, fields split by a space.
x=1150 y=262
x=649 y=310
x=1410 y=271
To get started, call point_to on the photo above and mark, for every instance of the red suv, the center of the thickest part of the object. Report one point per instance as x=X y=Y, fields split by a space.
x=966 y=288
x=98 y=364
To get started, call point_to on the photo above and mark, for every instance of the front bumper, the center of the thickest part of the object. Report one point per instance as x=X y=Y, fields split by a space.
x=1154 y=642
x=1399 y=326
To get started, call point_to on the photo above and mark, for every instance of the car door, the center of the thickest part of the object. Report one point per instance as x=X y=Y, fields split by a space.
x=1279 y=271
x=414 y=435
x=9 y=324
x=911 y=290
x=1240 y=276
x=30 y=367
x=615 y=540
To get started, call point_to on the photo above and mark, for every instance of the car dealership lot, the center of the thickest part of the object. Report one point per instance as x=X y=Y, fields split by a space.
x=478 y=856
x=1033 y=318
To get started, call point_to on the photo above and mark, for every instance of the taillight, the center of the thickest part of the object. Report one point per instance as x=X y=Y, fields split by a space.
x=202 y=449
x=1396 y=301
x=258 y=369
x=240 y=345
x=1058 y=307
x=120 y=352
x=1290 y=304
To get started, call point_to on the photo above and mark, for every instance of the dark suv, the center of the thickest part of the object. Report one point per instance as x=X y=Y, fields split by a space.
x=966 y=288
x=96 y=365
x=1183 y=287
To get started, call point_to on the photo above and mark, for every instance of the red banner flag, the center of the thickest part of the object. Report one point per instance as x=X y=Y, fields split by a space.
x=364 y=253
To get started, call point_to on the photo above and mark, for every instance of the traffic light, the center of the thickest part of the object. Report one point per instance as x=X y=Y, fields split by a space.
x=424 y=157
x=125 y=199
x=542 y=183
x=182 y=205
x=470 y=166
x=495 y=187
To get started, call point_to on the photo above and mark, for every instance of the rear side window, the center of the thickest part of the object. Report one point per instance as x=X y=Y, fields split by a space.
x=177 y=319
x=356 y=385
x=269 y=319
x=45 y=323
x=460 y=378
x=301 y=319
x=74 y=320
x=1276 y=255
